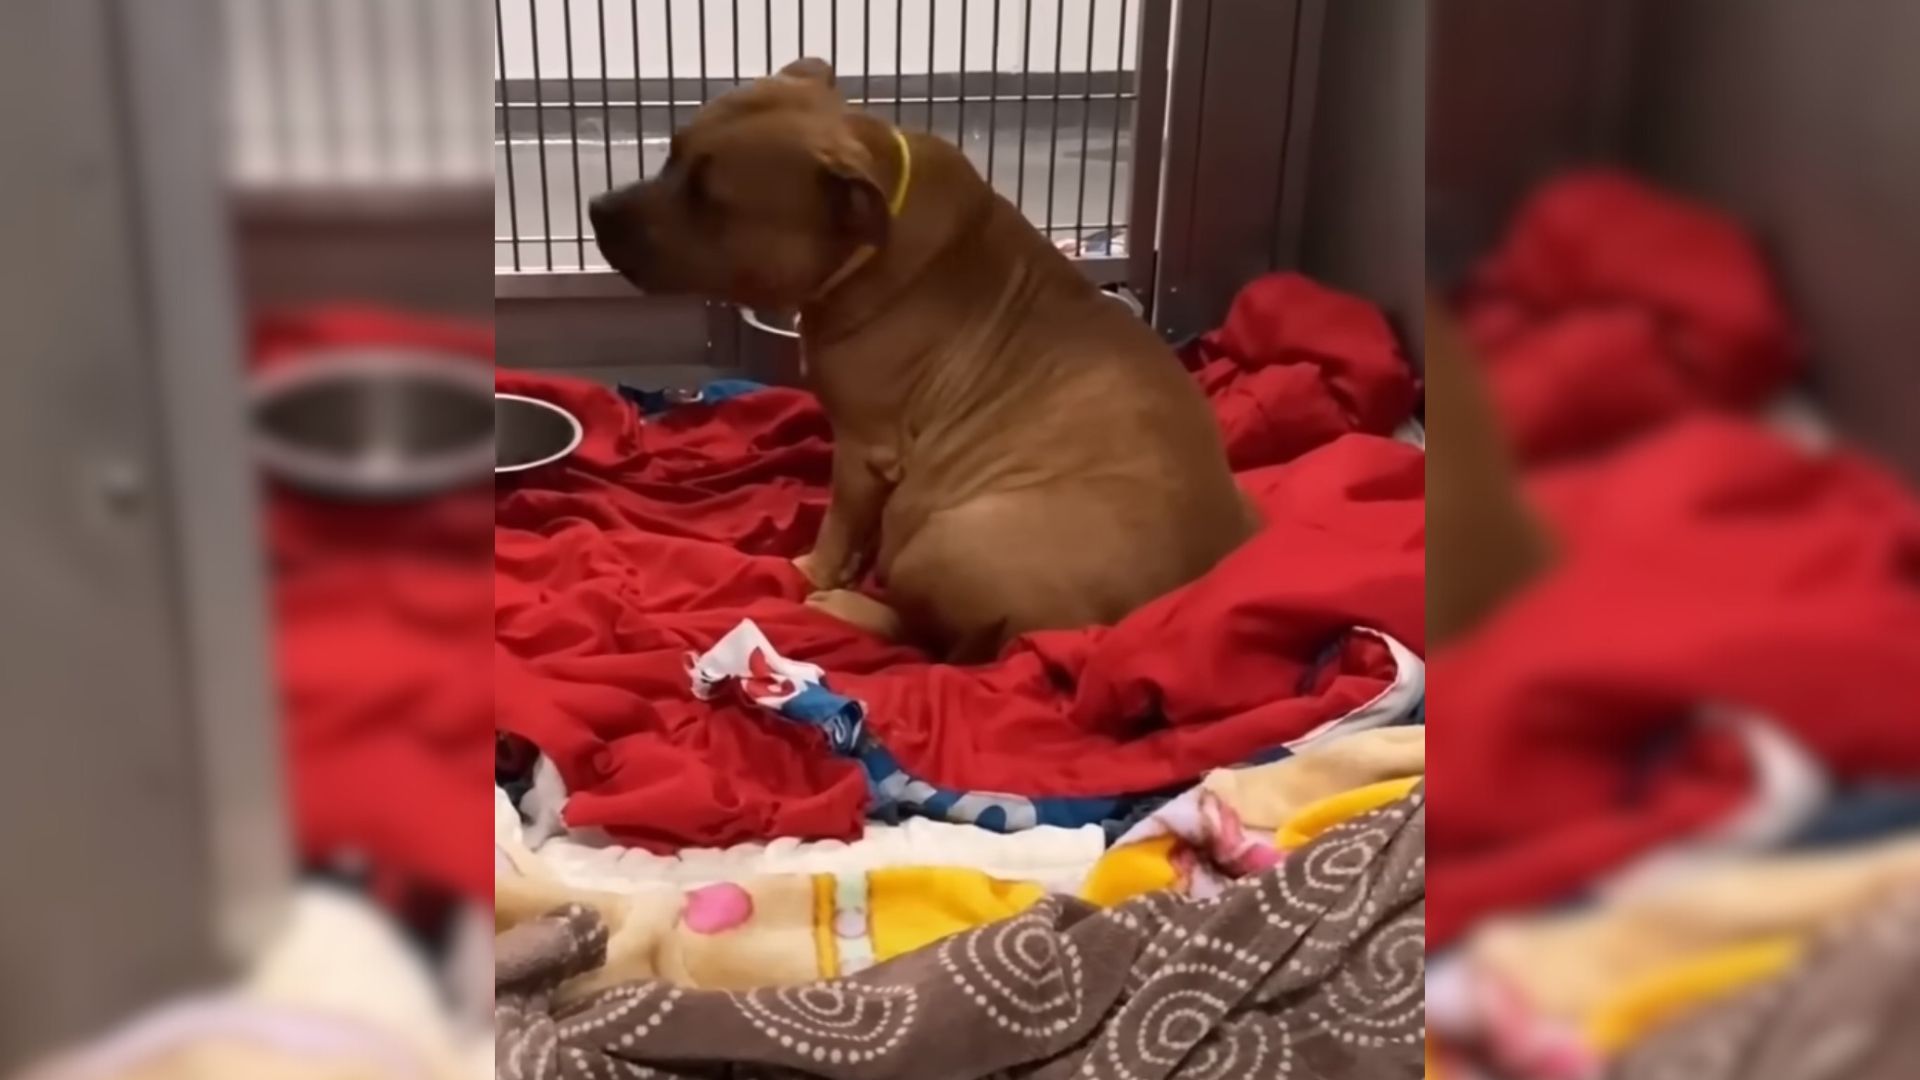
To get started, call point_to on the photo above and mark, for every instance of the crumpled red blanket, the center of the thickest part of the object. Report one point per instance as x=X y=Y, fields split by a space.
x=658 y=537
x=1713 y=562
x=1611 y=306
x=380 y=649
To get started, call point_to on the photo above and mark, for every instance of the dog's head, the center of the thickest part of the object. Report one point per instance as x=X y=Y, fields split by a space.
x=767 y=193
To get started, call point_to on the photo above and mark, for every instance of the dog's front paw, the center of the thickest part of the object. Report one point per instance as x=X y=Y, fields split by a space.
x=820 y=573
x=826 y=571
x=858 y=609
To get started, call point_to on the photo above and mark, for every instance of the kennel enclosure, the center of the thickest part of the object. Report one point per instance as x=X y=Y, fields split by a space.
x=1164 y=145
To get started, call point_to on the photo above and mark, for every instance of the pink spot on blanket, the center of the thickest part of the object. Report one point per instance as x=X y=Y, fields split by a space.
x=715 y=909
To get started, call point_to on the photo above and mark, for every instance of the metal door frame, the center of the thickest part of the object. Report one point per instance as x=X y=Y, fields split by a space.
x=1240 y=127
x=136 y=685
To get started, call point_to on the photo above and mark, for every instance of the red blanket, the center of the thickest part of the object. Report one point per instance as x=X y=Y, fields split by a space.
x=1709 y=562
x=657 y=537
x=1714 y=563
x=1611 y=307
x=381 y=651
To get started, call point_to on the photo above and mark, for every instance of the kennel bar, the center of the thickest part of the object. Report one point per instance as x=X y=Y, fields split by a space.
x=1048 y=102
x=1162 y=143
x=351 y=94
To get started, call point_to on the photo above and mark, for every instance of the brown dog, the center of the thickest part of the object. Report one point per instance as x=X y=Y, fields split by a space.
x=1013 y=451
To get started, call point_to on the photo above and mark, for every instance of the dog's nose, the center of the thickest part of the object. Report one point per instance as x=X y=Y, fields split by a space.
x=604 y=212
x=617 y=232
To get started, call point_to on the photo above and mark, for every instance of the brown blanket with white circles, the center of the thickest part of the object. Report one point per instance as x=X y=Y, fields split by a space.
x=1846 y=1013
x=1314 y=970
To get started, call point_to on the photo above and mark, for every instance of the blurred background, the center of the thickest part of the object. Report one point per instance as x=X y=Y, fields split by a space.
x=243 y=588
x=1674 y=549
x=1794 y=119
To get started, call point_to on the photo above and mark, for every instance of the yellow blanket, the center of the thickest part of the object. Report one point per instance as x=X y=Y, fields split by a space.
x=782 y=930
x=1568 y=966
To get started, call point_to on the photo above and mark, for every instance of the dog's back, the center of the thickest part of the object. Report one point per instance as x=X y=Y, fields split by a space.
x=1053 y=430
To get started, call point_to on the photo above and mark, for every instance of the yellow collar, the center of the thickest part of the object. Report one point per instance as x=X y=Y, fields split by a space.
x=896 y=203
x=900 y=186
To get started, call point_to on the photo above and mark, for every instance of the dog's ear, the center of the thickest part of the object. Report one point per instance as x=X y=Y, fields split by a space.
x=853 y=191
x=810 y=69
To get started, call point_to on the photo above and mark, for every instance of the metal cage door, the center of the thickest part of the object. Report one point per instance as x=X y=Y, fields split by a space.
x=1061 y=105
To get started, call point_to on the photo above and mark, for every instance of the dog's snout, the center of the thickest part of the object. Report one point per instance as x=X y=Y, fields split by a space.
x=617 y=230
x=604 y=212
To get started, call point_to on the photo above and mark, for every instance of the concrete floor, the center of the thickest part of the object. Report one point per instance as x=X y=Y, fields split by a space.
x=1045 y=136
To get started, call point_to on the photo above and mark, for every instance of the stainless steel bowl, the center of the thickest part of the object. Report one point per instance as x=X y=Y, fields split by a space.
x=529 y=433
x=373 y=423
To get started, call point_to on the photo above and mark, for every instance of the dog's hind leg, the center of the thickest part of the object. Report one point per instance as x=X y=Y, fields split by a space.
x=980 y=574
